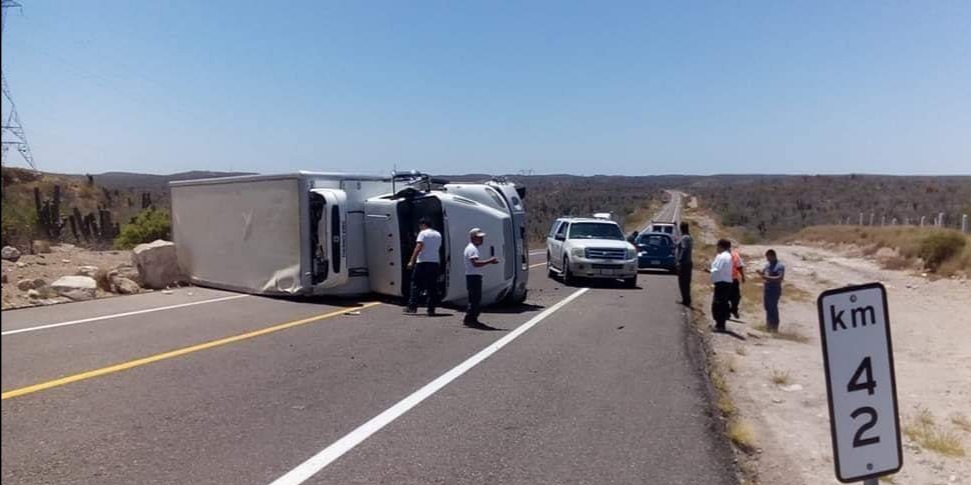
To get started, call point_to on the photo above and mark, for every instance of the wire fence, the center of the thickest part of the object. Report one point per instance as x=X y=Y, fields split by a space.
x=941 y=220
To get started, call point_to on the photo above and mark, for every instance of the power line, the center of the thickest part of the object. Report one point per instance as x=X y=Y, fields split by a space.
x=12 y=134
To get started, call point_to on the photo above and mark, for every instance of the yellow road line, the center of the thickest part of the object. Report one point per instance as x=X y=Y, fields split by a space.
x=173 y=353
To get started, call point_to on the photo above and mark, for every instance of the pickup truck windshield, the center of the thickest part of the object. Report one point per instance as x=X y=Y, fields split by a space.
x=593 y=230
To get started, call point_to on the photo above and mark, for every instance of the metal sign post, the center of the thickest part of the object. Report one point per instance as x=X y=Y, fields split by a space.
x=854 y=327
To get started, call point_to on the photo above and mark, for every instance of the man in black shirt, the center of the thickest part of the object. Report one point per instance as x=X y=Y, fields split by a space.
x=683 y=259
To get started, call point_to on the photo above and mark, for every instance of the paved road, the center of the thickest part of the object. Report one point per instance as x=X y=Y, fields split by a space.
x=578 y=386
x=671 y=212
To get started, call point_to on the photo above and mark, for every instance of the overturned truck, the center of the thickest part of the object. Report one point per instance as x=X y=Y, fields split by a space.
x=343 y=234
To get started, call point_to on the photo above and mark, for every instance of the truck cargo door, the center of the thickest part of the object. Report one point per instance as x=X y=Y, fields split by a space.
x=328 y=237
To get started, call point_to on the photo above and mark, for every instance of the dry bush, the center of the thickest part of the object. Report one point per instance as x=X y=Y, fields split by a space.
x=961 y=421
x=742 y=435
x=922 y=429
x=781 y=378
x=941 y=246
x=944 y=251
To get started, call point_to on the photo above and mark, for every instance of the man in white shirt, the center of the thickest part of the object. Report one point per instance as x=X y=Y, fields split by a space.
x=721 y=278
x=424 y=265
x=473 y=275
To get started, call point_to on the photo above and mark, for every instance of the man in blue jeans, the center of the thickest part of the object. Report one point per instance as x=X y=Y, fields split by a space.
x=773 y=274
x=473 y=275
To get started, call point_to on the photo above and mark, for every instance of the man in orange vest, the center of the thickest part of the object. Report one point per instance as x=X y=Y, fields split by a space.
x=738 y=277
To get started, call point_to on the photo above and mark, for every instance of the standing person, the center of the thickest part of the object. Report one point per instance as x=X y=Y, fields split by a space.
x=685 y=266
x=721 y=278
x=773 y=274
x=738 y=278
x=424 y=265
x=473 y=275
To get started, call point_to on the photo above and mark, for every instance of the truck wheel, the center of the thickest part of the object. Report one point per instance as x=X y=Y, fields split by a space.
x=630 y=282
x=549 y=267
x=568 y=278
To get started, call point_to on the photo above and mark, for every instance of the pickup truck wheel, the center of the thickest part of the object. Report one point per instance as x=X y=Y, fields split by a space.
x=630 y=282
x=568 y=278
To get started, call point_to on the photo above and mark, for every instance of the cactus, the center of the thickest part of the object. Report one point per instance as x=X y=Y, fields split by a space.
x=84 y=224
x=74 y=227
x=37 y=201
x=49 y=213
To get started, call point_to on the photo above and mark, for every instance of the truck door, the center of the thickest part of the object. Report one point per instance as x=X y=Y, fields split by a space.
x=328 y=237
x=410 y=211
x=559 y=239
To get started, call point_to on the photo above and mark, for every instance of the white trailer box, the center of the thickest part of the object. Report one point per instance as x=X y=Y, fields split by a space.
x=277 y=234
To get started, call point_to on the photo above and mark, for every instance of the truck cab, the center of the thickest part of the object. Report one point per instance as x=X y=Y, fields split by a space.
x=506 y=197
x=392 y=227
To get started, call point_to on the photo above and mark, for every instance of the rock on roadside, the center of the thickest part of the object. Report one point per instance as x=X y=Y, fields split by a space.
x=157 y=264
x=41 y=247
x=124 y=286
x=87 y=271
x=10 y=253
x=77 y=288
x=125 y=271
x=31 y=284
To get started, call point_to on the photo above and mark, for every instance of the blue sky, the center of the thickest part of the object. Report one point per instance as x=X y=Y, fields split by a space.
x=453 y=87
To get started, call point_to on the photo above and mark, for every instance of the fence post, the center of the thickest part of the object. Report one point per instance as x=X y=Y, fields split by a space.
x=861 y=218
x=893 y=222
x=964 y=223
x=940 y=220
x=922 y=221
x=871 y=219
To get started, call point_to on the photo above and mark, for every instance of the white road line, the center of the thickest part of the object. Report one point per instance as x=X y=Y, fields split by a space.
x=325 y=457
x=537 y=253
x=119 y=315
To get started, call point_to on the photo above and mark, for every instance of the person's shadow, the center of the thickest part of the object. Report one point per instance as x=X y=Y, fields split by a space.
x=483 y=327
x=730 y=333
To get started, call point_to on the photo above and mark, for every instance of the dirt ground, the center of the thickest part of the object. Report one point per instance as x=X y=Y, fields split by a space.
x=777 y=384
x=63 y=260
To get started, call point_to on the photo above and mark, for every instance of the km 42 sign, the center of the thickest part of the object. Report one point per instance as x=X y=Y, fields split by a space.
x=854 y=327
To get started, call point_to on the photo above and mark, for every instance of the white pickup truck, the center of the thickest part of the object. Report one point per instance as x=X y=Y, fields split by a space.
x=590 y=248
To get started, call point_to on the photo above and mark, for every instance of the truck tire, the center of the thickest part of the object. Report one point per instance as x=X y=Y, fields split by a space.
x=568 y=278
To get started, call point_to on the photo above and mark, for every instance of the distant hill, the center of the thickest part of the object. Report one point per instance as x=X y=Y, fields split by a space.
x=760 y=205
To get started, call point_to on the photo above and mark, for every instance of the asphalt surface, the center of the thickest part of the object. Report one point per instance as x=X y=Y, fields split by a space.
x=602 y=390
x=671 y=212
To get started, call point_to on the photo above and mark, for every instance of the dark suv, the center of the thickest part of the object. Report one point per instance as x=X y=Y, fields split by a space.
x=655 y=250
